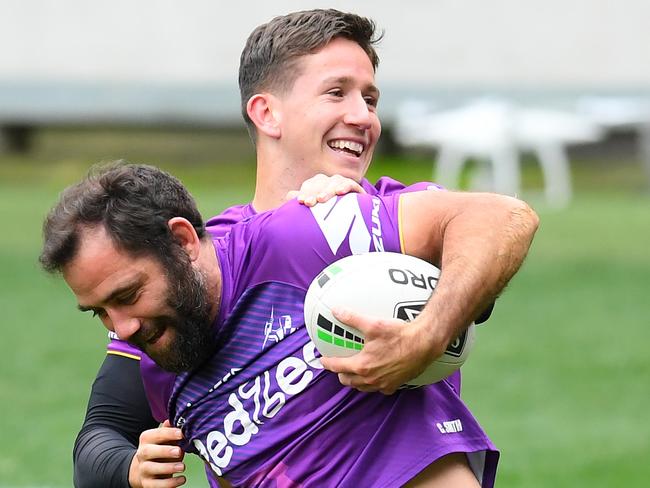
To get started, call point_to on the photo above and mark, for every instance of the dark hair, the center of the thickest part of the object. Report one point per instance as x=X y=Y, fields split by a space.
x=269 y=58
x=134 y=203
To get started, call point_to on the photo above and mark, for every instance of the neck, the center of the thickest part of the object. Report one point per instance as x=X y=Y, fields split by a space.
x=276 y=176
x=270 y=190
x=212 y=269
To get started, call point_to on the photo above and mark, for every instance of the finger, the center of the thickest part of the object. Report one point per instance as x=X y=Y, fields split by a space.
x=353 y=319
x=161 y=435
x=161 y=470
x=325 y=195
x=349 y=187
x=344 y=379
x=308 y=200
x=167 y=482
x=149 y=452
x=340 y=365
x=316 y=181
x=340 y=188
x=367 y=384
x=388 y=391
x=313 y=184
x=291 y=195
x=355 y=382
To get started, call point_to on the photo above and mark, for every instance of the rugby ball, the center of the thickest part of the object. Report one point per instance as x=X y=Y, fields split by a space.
x=382 y=284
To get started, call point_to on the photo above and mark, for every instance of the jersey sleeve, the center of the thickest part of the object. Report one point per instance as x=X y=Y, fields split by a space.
x=220 y=225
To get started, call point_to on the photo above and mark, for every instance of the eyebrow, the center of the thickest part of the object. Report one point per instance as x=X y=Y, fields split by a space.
x=115 y=293
x=346 y=80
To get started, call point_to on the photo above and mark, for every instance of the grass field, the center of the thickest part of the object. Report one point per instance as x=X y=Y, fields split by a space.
x=559 y=377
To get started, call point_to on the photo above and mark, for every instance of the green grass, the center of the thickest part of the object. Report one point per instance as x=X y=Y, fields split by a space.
x=559 y=376
x=560 y=372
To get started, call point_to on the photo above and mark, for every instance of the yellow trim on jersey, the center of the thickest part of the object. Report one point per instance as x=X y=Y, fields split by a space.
x=125 y=354
x=399 y=224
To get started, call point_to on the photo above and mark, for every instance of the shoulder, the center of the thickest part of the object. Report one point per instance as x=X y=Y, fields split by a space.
x=268 y=246
x=220 y=225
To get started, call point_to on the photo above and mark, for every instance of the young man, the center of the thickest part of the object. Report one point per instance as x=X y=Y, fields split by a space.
x=308 y=95
x=132 y=247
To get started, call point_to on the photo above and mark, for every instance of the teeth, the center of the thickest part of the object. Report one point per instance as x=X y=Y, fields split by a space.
x=355 y=147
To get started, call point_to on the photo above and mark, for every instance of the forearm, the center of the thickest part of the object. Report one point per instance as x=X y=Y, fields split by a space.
x=102 y=457
x=118 y=412
x=482 y=247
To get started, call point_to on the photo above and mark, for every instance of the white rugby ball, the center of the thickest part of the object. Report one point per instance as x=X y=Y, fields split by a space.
x=382 y=284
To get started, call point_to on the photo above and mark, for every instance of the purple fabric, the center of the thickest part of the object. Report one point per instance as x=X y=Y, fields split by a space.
x=157 y=382
x=263 y=412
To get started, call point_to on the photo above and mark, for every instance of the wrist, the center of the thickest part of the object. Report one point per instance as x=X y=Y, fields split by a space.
x=430 y=337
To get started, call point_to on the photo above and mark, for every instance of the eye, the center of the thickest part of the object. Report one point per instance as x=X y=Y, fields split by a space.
x=371 y=101
x=128 y=299
x=335 y=92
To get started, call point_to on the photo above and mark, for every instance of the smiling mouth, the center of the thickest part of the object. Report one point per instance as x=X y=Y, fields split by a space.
x=348 y=147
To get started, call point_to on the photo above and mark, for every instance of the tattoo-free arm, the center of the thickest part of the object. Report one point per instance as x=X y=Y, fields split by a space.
x=479 y=241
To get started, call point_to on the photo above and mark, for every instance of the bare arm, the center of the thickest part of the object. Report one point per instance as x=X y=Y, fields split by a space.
x=479 y=241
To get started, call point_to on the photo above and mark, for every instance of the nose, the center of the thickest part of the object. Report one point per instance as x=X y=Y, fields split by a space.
x=357 y=113
x=122 y=324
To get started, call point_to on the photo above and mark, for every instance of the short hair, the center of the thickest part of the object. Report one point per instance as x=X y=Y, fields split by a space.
x=134 y=203
x=270 y=56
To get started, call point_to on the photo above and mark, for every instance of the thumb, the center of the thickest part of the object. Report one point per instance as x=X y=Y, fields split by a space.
x=166 y=423
x=338 y=365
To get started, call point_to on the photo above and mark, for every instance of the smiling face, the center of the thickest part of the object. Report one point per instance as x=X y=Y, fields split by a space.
x=328 y=119
x=133 y=297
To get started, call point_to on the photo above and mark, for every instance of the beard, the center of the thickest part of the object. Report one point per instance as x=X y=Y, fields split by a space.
x=194 y=340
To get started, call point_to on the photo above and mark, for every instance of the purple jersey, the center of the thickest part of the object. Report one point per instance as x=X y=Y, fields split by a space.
x=158 y=382
x=263 y=412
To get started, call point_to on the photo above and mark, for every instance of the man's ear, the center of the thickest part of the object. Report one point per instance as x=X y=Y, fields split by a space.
x=262 y=108
x=185 y=234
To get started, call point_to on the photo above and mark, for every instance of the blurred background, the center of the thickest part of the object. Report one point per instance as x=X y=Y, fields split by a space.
x=548 y=100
